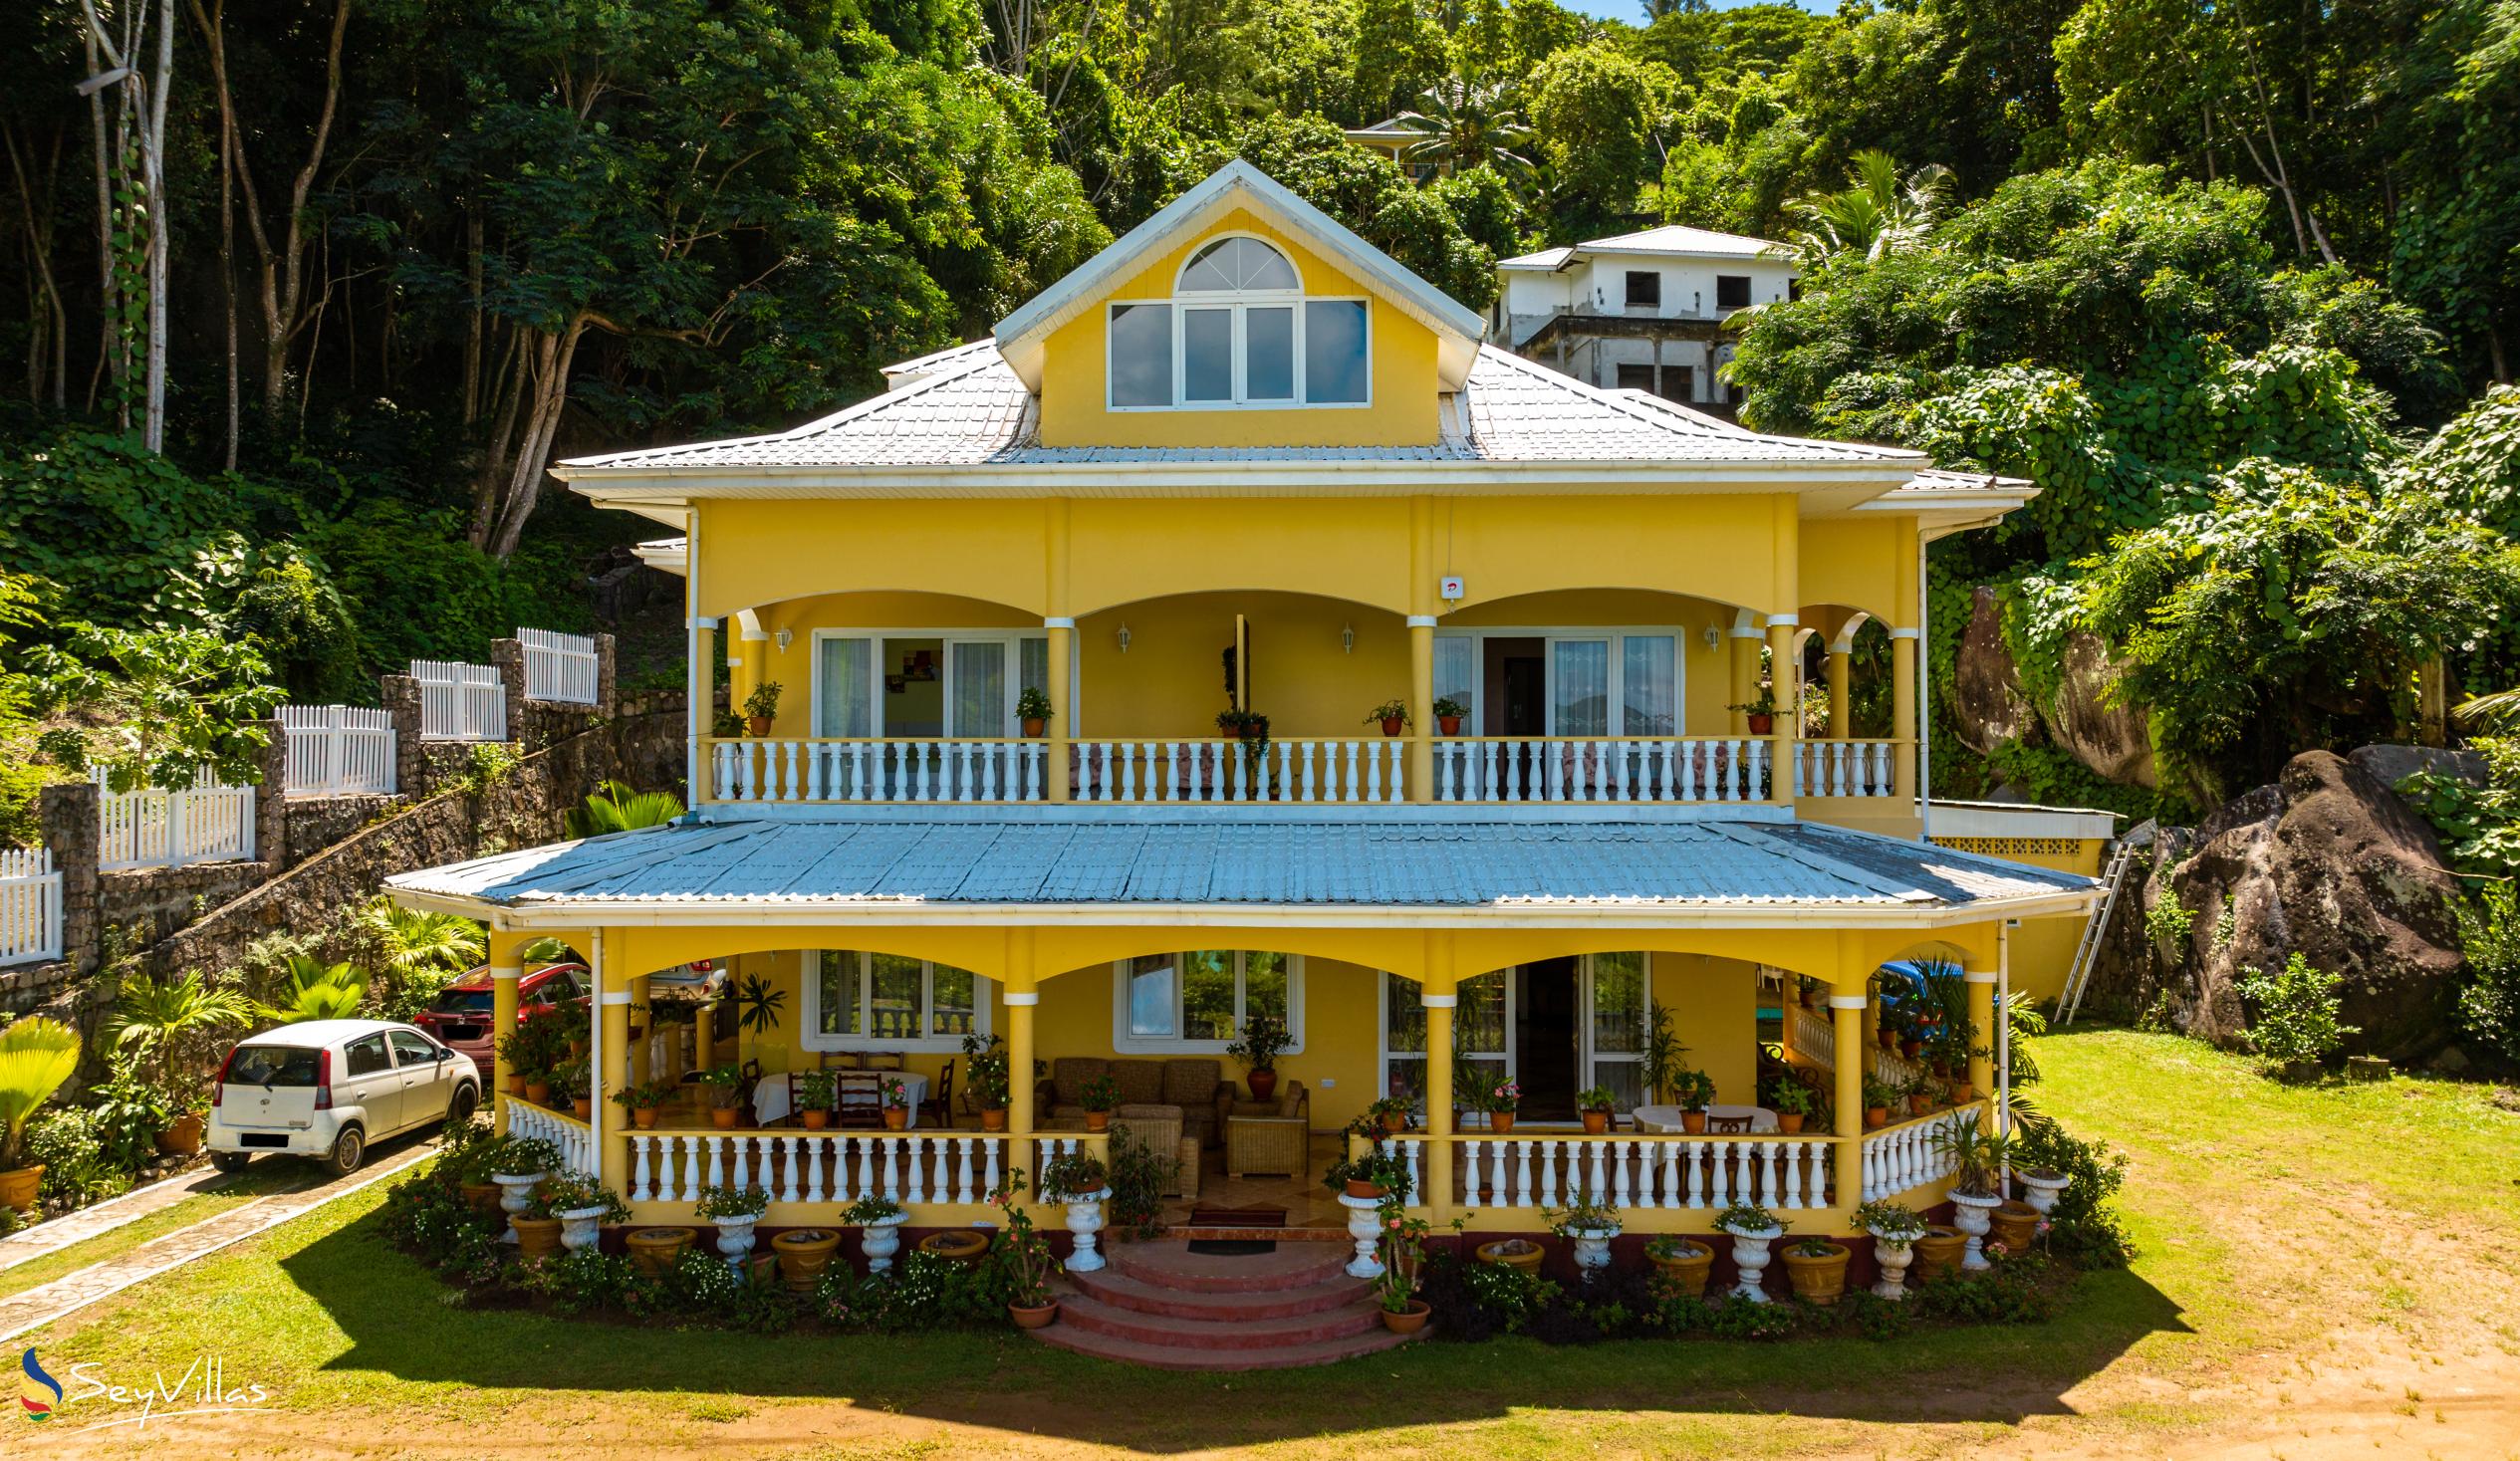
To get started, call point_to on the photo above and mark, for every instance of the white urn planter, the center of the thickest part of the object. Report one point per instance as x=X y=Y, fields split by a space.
x=1591 y=1247
x=1750 y=1255
x=734 y=1238
x=514 y=1192
x=580 y=1227
x=2040 y=1189
x=1364 y=1225
x=1973 y=1215
x=882 y=1239
x=1892 y=1256
x=1084 y=1220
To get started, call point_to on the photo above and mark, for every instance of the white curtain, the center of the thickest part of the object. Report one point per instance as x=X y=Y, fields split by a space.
x=1456 y=672
x=1579 y=698
x=979 y=689
x=847 y=706
x=1649 y=686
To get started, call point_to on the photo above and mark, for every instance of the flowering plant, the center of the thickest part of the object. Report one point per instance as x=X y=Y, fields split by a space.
x=1501 y=1097
x=896 y=1095
x=1402 y=1249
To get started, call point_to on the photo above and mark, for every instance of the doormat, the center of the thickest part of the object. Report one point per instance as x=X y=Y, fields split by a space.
x=1233 y=1247
x=1236 y=1217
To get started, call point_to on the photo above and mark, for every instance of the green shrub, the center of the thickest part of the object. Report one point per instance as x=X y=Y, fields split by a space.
x=2296 y=1012
x=2083 y=1228
x=2489 y=934
x=72 y=1145
x=2014 y=1290
x=2168 y=920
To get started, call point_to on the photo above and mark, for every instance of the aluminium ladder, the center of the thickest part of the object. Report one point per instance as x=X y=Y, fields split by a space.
x=2087 y=953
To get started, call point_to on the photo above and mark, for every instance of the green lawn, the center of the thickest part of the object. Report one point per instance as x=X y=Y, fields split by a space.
x=255 y=1181
x=334 y=1321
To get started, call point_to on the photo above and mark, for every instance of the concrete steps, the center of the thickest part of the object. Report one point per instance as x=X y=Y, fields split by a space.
x=1163 y=1306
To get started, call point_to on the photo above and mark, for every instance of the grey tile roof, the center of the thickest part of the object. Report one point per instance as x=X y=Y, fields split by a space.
x=1126 y=856
x=973 y=411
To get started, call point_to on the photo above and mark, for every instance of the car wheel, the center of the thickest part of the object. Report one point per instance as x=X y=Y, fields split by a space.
x=230 y=1162
x=459 y=1111
x=348 y=1149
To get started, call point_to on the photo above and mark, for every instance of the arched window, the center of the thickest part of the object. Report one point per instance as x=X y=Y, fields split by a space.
x=1238 y=333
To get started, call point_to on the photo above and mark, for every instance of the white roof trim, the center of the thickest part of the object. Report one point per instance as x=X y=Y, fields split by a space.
x=1239 y=185
x=667 y=554
x=2005 y=820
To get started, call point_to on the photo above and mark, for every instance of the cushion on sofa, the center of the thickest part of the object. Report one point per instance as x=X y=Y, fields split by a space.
x=1141 y=1081
x=1070 y=1074
x=1192 y=1080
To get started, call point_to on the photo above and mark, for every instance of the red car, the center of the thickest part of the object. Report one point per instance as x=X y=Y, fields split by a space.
x=460 y=1015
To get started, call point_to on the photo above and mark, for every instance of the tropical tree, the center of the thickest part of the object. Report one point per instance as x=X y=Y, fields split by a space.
x=164 y=1021
x=412 y=943
x=36 y=1055
x=616 y=806
x=312 y=989
x=1463 y=122
x=1879 y=212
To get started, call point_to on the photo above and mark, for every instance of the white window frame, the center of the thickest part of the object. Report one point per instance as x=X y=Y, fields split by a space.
x=1125 y=1041
x=1387 y=1057
x=1011 y=639
x=810 y=1036
x=1237 y=302
x=1585 y=1054
x=1618 y=635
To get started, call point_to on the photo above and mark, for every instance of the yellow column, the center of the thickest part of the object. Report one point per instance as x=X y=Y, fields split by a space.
x=506 y=968
x=1020 y=1003
x=1789 y=716
x=1437 y=1174
x=1421 y=707
x=639 y=999
x=1841 y=713
x=613 y=1059
x=1745 y=674
x=1904 y=645
x=1848 y=1014
x=1063 y=634
x=746 y=654
x=1982 y=1040
x=702 y=687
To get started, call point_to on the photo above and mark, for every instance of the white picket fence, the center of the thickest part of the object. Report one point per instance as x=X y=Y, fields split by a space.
x=461 y=703
x=335 y=749
x=558 y=666
x=30 y=906
x=208 y=822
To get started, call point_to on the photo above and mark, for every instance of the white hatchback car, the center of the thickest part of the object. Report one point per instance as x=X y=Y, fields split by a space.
x=328 y=1088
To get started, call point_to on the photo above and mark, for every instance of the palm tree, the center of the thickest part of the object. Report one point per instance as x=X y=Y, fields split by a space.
x=1879 y=212
x=36 y=1055
x=158 y=1018
x=2498 y=711
x=616 y=806
x=412 y=943
x=318 y=992
x=1467 y=122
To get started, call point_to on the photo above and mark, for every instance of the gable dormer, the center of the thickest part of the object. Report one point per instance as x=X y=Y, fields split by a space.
x=1240 y=316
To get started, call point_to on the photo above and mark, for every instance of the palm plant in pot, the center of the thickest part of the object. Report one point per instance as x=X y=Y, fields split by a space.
x=1694 y=1090
x=1100 y=1098
x=724 y=1087
x=1977 y=1159
x=1024 y=1259
x=1262 y=1041
x=36 y=1055
x=168 y=1023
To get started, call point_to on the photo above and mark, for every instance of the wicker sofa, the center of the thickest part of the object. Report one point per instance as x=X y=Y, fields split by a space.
x=1195 y=1084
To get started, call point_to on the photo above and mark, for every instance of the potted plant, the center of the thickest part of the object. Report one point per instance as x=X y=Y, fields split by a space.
x=1938 y=1251
x=734 y=1210
x=37 y=1055
x=964 y=1246
x=897 y=1103
x=518 y=1165
x=2042 y=1184
x=1448 y=713
x=803 y=1253
x=1919 y=1091
x=463 y=1158
x=1752 y=1227
x=1894 y=1228
x=725 y=725
x=761 y=707
x=879 y=1220
x=815 y=1093
x=538 y=1085
x=581 y=1203
x=1370 y=1175
x=655 y=1251
x=1392 y=715
x=1025 y=1258
x=1681 y=1265
x=537 y=1231
x=1500 y=1098
x=1588 y=1222
x=575 y=1081
x=1401 y=1250
x=1761 y=712
x=724 y=1087
x=517 y=1050
x=1032 y=707
x=1664 y=1056
x=1262 y=1041
x=985 y=1068
x=1978 y=1159
x=1078 y=1179
x=1794 y=1103
x=1693 y=1090
x=1519 y=1253
x=1597 y=1105
x=1817 y=1268
x=1878 y=1096
x=1243 y=725
x=1099 y=1097
x=166 y=1020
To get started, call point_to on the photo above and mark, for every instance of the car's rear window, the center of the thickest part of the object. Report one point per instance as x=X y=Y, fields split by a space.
x=462 y=1002
x=272 y=1065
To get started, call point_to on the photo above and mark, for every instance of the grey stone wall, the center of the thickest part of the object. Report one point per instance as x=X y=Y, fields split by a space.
x=145 y=904
x=315 y=823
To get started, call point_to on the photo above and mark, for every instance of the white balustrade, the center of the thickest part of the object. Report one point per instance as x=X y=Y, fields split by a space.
x=149 y=828
x=1812 y=1035
x=1648 y=768
x=933 y=771
x=338 y=749
x=461 y=703
x=1903 y=1159
x=1692 y=1172
x=1835 y=768
x=573 y=1136
x=561 y=667
x=908 y=1167
x=30 y=906
x=1893 y=1068
x=1227 y=770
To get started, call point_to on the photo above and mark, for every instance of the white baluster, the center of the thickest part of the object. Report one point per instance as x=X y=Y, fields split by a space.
x=1618 y=1153
x=988 y=1172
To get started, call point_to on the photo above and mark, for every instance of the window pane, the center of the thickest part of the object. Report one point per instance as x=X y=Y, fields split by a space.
x=1457 y=658
x=1142 y=355
x=1032 y=669
x=895 y=1014
x=1622 y=1080
x=1334 y=351
x=1237 y=264
x=980 y=691
x=1579 y=698
x=1618 y=1002
x=1404 y=1026
x=368 y=1056
x=1208 y=355
x=1478 y=1022
x=847 y=707
x=1152 y=1006
x=837 y=977
x=1409 y=1079
x=1647 y=689
x=956 y=1001
x=1264 y=985
x=1208 y=995
x=1268 y=366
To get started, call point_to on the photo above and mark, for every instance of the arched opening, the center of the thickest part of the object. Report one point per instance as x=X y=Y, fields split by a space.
x=1167 y=667
x=1605 y=661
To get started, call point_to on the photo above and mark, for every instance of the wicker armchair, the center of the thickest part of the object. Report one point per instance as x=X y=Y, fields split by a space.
x=1271 y=1136
x=1159 y=1126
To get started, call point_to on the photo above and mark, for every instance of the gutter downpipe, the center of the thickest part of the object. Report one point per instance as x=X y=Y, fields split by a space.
x=1925 y=699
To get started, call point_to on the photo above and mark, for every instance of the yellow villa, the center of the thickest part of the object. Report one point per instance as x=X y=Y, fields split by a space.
x=1209 y=510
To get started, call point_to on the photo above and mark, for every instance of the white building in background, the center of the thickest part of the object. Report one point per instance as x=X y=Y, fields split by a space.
x=1641 y=311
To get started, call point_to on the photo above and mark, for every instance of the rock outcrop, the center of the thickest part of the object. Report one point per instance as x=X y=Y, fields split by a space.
x=1988 y=705
x=1991 y=707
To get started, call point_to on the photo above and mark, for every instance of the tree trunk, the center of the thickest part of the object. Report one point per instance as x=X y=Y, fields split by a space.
x=548 y=384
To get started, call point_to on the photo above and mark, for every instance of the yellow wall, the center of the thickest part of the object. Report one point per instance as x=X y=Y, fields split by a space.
x=2042 y=951
x=1074 y=369
x=1171 y=682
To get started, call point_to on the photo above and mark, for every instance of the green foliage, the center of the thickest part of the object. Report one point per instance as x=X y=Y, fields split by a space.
x=2297 y=1008
x=618 y=806
x=2168 y=920
x=2479 y=825
x=36 y=1054
x=171 y=1021
x=169 y=701
x=2489 y=935
x=2084 y=1227
x=71 y=1144
x=1593 y=107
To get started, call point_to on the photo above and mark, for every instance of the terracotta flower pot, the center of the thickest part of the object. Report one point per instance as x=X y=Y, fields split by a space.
x=1687 y=1273
x=1392 y=1126
x=1034 y=1319
x=1450 y=724
x=2015 y=1224
x=1500 y=1123
x=1789 y=1123
x=536 y=1237
x=182 y=1136
x=1365 y=1189
x=515 y=1085
x=1761 y=725
x=1597 y=1122
x=18 y=1186
x=723 y=1117
x=1034 y=728
x=1098 y=1120
x=1408 y=1321
x=581 y=1107
x=1938 y=1252
x=537 y=1092
x=1693 y=1123
x=1264 y=1084
x=1889 y=1040
x=576 y=1048
x=1519 y=1253
x=655 y=1250
x=1876 y=1116
x=757 y=725
x=480 y=1196
x=957 y=1245
x=995 y=1120
x=815 y=1119
x=1911 y=1048
x=1961 y=1092
x=644 y=1116
x=1920 y=1104
x=803 y=1253
x=1818 y=1279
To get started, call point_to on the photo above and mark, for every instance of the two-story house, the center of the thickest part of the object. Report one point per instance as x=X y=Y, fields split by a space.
x=1236 y=633
x=1641 y=311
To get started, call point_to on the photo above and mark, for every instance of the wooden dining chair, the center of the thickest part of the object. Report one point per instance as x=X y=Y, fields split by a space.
x=859 y=1099
x=841 y=1060
x=883 y=1060
x=1727 y=1125
x=938 y=1108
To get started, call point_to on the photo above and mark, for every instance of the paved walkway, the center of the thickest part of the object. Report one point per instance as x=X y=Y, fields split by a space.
x=28 y=1243
x=71 y=1292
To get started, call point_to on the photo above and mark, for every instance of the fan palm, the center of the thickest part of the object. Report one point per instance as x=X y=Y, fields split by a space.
x=409 y=942
x=616 y=806
x=1466 y=123
x=318 y=991
x=157 y=1018
x=2498 y=711
x=36 y=1055
x=1878 y=212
